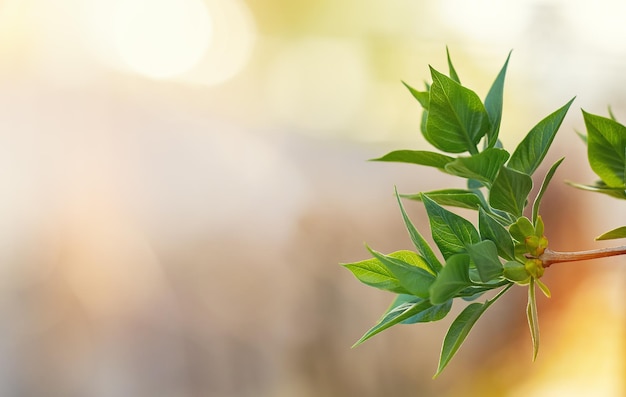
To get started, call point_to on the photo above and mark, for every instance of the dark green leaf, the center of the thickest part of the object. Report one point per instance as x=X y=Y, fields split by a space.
x=533 y=322
x=491 y=229
x=451 y=197
x=420 y=244
x=533 y=148
x=544 y=186
x=399 y=314
x=451 y=232
x=482 y=167
x=619 y=232
x=606 y=144
x=493 y=104
x=420 y=157
x=617 y=192
x=460 y=328
x=453 y=74
x=457 y=119
x=510 y=190
x=374 y=273
x=422 y=96
x=453 y=278
x=484 y=255
x=415 y=279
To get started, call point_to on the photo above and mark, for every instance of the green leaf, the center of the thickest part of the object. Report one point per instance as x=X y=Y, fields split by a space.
x=484 y=255
x=418 y=241
x=533 y=323
x=451 y=197
x=483 y=167
x=491 y=229
x=544 y=186
x=515 y=272
x=420 y=157
x=521 y=229
x=544 y=288
x=434 y=313
x=374 y=273
x=606 y=144
x=415 y=279
x=533 y=148
x=453 y=74
x=461 y=327
x=619 y=232
x=611 y=115
x=423 y=97
x=453 y=278
x=417 y=311
x=451 y=232
x=582 y=136
x=457 y=119
x=617 y=192
x=510 y=190
x=493 y=104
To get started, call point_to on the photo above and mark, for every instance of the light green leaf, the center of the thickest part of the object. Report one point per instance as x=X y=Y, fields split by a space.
x=544 y=288
x=419 y=309
x=420 y=243
x=533 y=148
x=619 y=232
x=582 y=136
x=611 y=115
x=493 y=104
x=544 y=186
x=515 y=272
x=453 y=278
x=453 y=74
x=374 y=273
x=617 y=192
x=533 y=323
x=457 y=119
x=423 y=97
x=491 y=229
x=484 y=255
x=521 y=229
x=461 y=327
x=483 y=167
x=606 y=144
x=510 y=190
x=451 y=232
x=420 y=157
x=451 y=197
x=434 y=313
x=414 y=279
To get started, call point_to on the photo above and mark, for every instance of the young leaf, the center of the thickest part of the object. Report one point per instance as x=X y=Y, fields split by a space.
x=461 y=327
x=531 y=312
x=606 y=143
x=454 y=277
x=414 y=279
x=482 y=167
x=420 y=244
x=521 y=229
x=457 y=119
x=510 y=191
x=617 y=192
x=453 y=74
x=611 y=115
x=544 y=288
x=434 y=313
x=533 y=148
x=619 y=232
x=451 y=197
x=451 y=232
x=484 y=255
x=493 y=104
x=544 y=186
x=418 y=311
x=423 y=97
x=490 y=229
x=420 y=157
x=516 y=272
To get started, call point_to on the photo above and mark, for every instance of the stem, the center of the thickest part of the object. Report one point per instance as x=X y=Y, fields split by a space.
x=549 y=257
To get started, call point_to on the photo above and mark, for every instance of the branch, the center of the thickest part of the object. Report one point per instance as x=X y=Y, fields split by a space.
x=549 y=257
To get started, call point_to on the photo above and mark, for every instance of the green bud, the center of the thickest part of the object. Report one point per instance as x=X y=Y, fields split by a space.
x=534 y=267
x=516 y=272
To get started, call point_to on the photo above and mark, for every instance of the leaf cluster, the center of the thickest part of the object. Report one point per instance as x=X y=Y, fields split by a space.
x=472 y=259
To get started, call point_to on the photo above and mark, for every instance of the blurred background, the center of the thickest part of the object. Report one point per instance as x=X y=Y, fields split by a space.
x=181 y=178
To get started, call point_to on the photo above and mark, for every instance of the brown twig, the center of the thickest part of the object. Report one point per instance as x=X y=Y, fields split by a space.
x=549 y=257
